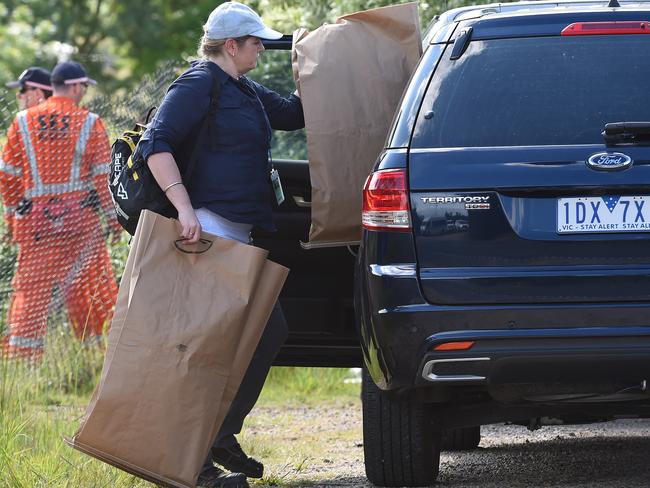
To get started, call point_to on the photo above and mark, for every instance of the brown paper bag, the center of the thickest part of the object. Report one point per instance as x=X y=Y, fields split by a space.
x=174 y=351
x=351 y=76
x=298 y=35
x=250 y=337
x=121 y=305
x=116 y=326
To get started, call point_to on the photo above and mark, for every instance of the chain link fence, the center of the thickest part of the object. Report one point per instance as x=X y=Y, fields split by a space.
x=61 y=253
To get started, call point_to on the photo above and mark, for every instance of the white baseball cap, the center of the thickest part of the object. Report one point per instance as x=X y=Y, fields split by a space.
x=234 y=19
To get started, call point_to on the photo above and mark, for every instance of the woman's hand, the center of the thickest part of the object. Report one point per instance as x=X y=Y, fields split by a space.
x=191 y=228
x=165 y=171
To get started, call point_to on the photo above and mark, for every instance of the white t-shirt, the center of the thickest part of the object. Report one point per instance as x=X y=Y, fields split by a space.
x=217 y=225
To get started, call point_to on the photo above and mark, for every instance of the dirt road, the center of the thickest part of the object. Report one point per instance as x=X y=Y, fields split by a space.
x=322 y=447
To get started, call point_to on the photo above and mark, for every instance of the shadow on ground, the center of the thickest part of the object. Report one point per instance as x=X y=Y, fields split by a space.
x=596 y=461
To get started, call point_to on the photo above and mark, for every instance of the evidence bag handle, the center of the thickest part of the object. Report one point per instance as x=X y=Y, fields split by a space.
x=178 y=243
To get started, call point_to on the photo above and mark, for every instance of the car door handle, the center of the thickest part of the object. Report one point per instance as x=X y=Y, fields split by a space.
x=301 y=202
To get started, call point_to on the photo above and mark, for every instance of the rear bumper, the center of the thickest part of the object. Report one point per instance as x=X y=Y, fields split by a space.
x=539 y=356
x=522 y=343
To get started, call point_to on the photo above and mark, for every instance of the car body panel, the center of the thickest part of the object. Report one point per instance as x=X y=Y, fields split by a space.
x=503 y=275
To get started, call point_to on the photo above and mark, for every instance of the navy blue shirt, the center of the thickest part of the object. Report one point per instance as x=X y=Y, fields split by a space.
x=231 y=178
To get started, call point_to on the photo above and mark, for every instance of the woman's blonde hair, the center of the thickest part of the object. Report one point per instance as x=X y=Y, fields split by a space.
x=211 y=47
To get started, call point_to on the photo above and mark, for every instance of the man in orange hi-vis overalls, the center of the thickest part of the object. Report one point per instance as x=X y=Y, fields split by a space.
x=53 y=186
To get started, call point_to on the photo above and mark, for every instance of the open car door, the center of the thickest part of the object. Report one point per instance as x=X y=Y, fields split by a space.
x=317 y=297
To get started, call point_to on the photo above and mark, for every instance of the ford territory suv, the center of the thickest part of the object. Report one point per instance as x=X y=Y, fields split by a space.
x=504 y=268
x=504 y=271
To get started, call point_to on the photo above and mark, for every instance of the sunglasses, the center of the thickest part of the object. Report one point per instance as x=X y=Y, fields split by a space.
x=24 y=89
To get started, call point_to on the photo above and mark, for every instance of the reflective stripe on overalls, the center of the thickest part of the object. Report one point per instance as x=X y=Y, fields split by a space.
x=10 y=169
x=14 y=171
x=75 y=183
x=99 y=169
x=26 y=342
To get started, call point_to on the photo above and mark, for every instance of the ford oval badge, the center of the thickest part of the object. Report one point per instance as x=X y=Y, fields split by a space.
x=607 y=161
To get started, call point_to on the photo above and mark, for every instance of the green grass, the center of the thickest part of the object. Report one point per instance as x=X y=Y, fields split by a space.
x=308 y=386
x=41 y=404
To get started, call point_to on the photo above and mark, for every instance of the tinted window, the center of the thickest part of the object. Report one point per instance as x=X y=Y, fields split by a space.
x=536 y=91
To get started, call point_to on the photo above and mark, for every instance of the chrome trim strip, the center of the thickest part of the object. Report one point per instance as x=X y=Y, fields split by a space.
x=429 y=375
x=318 y=245
x=406 y=270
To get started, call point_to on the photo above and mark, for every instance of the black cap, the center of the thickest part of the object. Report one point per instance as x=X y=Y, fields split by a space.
x=70 y=72
x=34 y=77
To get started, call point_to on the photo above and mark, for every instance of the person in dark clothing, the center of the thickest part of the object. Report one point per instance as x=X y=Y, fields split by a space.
x=230 y=189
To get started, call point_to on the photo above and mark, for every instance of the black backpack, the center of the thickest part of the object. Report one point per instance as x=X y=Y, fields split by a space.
x=131 y=184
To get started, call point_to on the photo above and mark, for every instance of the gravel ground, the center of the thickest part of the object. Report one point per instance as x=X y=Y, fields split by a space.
x=611 y=454
x=322 y=447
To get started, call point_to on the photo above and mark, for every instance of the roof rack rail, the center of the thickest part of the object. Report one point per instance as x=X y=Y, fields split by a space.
x=476 y=11
x=534 y=4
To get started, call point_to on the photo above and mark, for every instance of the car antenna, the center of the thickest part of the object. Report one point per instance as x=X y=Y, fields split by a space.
x=613 y=4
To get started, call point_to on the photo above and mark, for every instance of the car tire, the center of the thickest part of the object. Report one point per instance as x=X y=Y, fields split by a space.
x=462 y=439
x=401 y=446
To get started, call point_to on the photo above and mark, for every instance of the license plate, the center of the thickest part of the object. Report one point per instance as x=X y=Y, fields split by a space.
x=603 y=214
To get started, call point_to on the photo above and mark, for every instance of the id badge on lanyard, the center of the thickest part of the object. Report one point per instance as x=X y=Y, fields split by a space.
x=275 y=182
x=277 y=186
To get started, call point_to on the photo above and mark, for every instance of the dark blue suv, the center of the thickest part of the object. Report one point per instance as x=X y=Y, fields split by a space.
x=504 y=271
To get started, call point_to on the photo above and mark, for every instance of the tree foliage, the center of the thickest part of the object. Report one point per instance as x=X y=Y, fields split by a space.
x=119 y=41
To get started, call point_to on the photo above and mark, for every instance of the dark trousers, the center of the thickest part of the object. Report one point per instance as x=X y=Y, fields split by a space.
x=273 y=337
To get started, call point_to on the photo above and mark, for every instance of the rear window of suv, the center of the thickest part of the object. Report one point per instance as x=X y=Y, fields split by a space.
x=536 y=91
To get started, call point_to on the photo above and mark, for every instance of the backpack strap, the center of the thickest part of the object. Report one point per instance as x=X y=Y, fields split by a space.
x=207 y=124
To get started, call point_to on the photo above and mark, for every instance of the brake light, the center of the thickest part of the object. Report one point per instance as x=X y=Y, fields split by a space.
x=385 y=201
x=454 y=346
x=606 y=28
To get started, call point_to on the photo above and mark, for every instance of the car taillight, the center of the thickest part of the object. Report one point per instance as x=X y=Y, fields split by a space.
x=385 y=201
x=606 y=28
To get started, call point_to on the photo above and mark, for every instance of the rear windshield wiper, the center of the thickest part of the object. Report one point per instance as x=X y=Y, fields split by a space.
x=627 y=133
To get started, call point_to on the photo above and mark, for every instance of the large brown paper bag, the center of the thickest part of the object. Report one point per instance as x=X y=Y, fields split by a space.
x=351 y=76
x=250 y=337
x=173 y=350
x=121 y=308
x=119 y=315
x=298 y=35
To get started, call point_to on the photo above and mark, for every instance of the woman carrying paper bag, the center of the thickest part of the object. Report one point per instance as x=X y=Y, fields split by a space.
x=167 y=297
x=230 y=191
x=187 y=322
